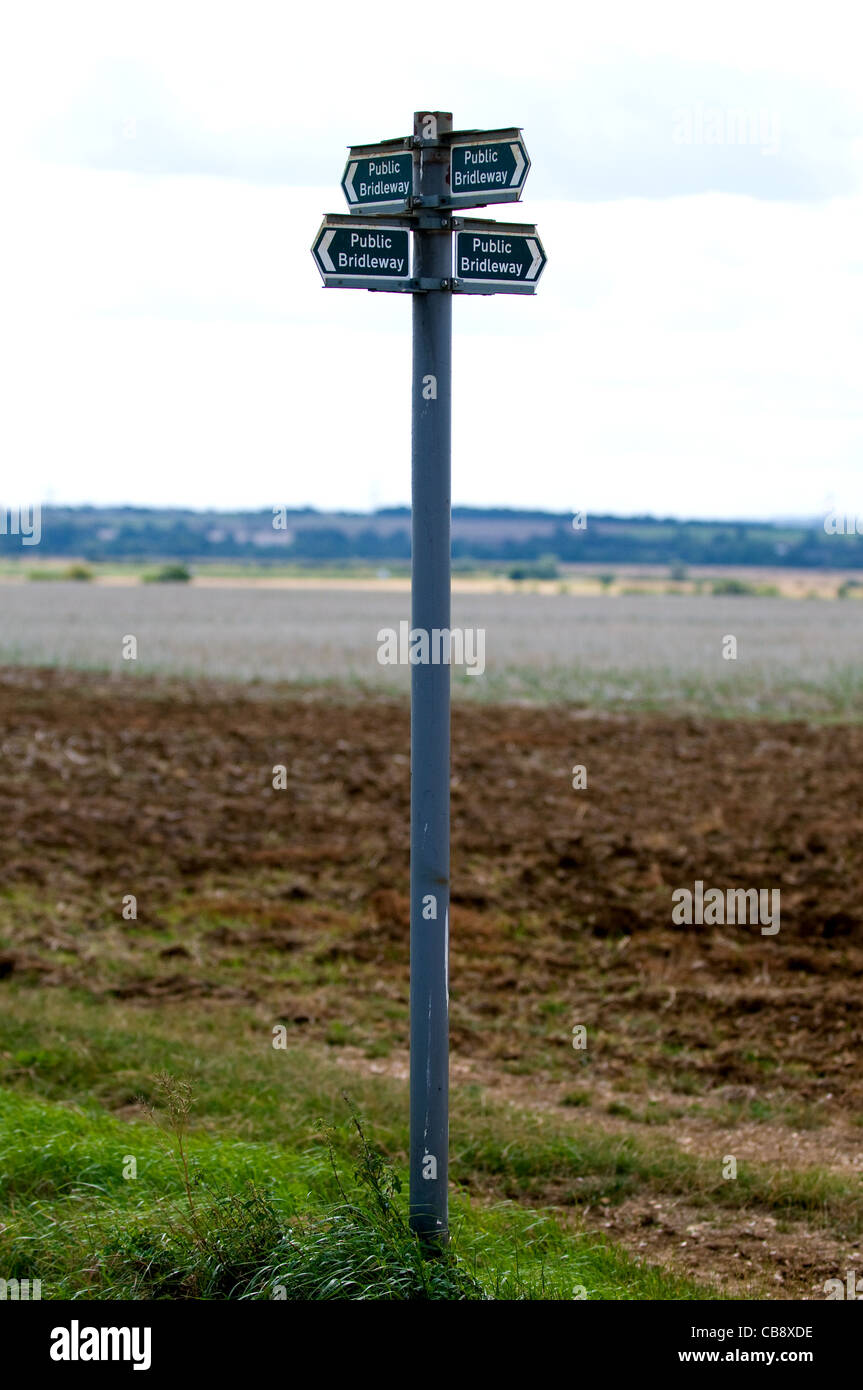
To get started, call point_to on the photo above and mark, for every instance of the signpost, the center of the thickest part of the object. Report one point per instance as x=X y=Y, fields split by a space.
x=425 y=176
x=489 y=168
x=431 y=388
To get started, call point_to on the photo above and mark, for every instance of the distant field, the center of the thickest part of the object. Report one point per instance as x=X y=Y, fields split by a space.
x=587 y=578
x=795 y=656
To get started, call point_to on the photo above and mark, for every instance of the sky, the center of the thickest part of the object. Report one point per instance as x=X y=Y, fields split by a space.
x=694 y=348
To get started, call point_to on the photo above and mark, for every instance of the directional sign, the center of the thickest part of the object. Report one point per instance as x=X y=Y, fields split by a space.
x=365 y=255
x=493 y=256
x=489 y=169
x=382 y=180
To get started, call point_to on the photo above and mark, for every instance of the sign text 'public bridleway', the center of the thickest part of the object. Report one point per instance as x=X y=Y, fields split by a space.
x=487 y=170
x=496 y=256
x=379 y=182
x=371 y=255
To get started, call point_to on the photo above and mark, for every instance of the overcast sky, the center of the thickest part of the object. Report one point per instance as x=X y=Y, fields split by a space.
x=694 y=348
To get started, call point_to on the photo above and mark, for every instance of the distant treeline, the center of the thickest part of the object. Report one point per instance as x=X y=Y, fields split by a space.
x=481 y=535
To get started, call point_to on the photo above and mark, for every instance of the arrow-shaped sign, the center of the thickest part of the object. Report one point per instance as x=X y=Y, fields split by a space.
x=380 y=180
x=366 y=255
x=487 y=169
x=495 y=256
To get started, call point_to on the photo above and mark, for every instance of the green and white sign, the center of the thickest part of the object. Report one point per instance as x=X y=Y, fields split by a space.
x=379 y=181
x=487 y=171
x=493 y=257
x=348 y=251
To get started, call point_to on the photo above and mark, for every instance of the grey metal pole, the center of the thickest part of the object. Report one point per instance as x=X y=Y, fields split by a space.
x=430 y=705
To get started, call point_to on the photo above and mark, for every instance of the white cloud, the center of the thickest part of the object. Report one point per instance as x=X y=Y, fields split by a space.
x=166 y=338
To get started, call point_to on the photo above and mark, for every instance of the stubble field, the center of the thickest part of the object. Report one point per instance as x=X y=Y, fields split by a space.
x=794 y=656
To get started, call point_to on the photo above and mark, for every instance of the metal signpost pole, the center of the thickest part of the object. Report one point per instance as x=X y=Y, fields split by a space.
x=430 y=696
x=397 y=191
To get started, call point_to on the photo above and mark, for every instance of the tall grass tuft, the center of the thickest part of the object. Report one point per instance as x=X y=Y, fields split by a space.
x=236 y=1245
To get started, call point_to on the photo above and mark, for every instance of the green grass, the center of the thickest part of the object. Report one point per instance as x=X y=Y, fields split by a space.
x=266 y=1223
x=263 y=1204
x=262 y=1221
x=275 y=1191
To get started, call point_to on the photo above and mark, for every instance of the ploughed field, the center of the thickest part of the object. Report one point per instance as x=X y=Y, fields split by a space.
x=703 y=1043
